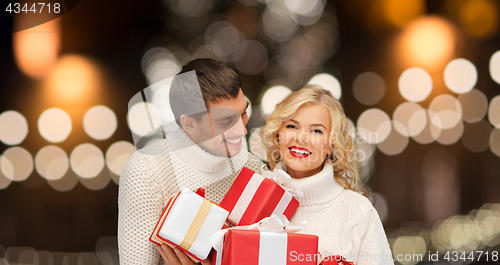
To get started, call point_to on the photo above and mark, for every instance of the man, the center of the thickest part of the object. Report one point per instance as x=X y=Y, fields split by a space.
x=207 y=151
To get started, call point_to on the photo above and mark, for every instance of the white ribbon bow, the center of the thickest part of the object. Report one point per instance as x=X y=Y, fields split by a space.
x=280 y=177
x=273 y=223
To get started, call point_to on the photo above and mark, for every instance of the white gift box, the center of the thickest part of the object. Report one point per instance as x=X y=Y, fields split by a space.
x=188 y=222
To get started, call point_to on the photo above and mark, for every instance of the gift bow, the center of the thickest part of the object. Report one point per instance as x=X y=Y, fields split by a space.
x=280 y=177
x=273 y=223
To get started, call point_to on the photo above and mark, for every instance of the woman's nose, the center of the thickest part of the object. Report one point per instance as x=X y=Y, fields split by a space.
x=302 y=137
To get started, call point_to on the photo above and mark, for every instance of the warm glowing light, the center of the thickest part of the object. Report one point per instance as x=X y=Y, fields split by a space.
x=13 y=127
x=4 y=181
x=73 y=78
x=36 y=49
x=495 y=67
x=273 y=96
x=452 y=135
x=479 y=17
x=427 y=42
x=415 y=84
x=98 y=182
x=257 y=146
x=474 y=105
x=395 y=143
x=99 y=122
x=399 y=13
x=54 y=125
x=409 y=245
x=430 y=132
x=409 y=119
x=445 y=111
x=495 y=142
x=117 y=156
x=51 y=162
x=381 y=205
x=368 y=88
x=140 y=116
x=476 y=136
x=328 y=82
x=87 y=160
x=250 y=57
x=66 y=183
x=460 y=76
x=16 y=164
x=494 y=112
x=374 y=126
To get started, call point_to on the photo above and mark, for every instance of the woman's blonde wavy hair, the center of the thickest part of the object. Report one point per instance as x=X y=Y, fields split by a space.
x=343 y=160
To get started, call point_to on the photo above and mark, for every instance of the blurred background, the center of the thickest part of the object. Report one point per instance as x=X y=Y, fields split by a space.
x=424 y=76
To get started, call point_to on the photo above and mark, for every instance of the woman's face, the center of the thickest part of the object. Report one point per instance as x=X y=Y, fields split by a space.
x=304 y=141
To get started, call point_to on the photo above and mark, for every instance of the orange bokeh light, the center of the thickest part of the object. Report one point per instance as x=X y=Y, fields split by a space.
x=479 y=17
x=400 y=13
x=73 y=79
x=36 y=49
x=428 y=42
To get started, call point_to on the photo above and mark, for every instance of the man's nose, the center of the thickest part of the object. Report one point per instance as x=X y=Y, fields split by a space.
x=238 y=129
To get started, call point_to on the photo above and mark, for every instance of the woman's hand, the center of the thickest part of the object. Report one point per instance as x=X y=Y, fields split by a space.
x=176 y=256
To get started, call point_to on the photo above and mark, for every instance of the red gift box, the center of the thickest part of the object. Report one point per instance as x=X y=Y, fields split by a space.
x=253 y=197
x=251 y=247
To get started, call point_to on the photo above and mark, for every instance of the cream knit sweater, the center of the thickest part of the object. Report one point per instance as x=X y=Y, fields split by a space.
x=155 y=173
x=345 y=221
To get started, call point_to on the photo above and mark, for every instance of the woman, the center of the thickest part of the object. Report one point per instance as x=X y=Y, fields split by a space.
x=306 y=136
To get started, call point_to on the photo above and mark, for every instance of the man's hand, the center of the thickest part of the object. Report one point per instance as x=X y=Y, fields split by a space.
x=176 y=256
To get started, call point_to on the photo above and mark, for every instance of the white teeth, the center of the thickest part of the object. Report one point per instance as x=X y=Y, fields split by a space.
x=302 y=152
x=234 y=141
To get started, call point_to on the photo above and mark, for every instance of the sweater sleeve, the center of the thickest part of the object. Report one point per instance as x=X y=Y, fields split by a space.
x=139 y=202
x=374 y=248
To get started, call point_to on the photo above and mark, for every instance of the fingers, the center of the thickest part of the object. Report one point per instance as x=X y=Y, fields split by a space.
x=162 y=253
x=185 y=260
x=168 y=255
x=206 y=262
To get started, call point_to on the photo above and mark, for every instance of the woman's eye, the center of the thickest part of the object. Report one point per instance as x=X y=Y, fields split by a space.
x=318 y=131
x=290 y=126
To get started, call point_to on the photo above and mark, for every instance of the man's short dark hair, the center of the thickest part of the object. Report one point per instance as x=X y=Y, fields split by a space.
x=216 y=81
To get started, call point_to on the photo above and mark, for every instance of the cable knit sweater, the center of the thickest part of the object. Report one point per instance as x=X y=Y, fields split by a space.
x=345 y=221
x=155 y=173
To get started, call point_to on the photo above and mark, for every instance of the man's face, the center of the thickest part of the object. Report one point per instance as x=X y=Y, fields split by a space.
x=221 y=132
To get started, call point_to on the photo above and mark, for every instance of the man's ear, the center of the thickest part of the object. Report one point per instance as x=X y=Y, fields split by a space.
x=188 y=124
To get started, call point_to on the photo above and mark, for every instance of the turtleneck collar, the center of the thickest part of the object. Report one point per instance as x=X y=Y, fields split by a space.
x=319 y=188
x=194 y=155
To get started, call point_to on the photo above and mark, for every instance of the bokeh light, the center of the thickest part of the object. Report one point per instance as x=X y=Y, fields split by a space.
x=328 y=82
x=494 y=112
x=250 y=57
x=495 y=141
x=445 y=111
x=395 y=143
x=117 y=156
x=225 y=36
x=476 y=136
x=87 y=160
x=430 y=132
x=479 y=17
x=474 y=105
x=139 y=116
x=368 y=88
x=495 y=67
x=351 y=129
x=277 y=22
x=98 y=182
x=36 y=49
x=451 y=135
x=73 y=79
x=374 y=126
x=460 y=76
x=381 y=205
x=409 y=119
x=66 y=183
x=13 y=127
x=427 y=42
x=257 y=146
x=87 y=258
x=51 y=162
x=4 y=181
x=99 y=122
x=16 y=163
x=159 y=63
x=400 y=13
x=406 y=247
x=273 y=96
x=415 y=84
x=54 y=125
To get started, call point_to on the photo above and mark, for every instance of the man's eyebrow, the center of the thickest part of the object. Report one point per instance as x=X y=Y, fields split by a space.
x=225 y=117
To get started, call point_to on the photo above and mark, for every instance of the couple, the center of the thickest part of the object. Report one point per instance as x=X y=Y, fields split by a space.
x=306 y=136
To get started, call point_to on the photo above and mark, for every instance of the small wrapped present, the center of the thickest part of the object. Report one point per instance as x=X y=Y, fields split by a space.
x=187 y=222
x=265 y=244
x=253 y=197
